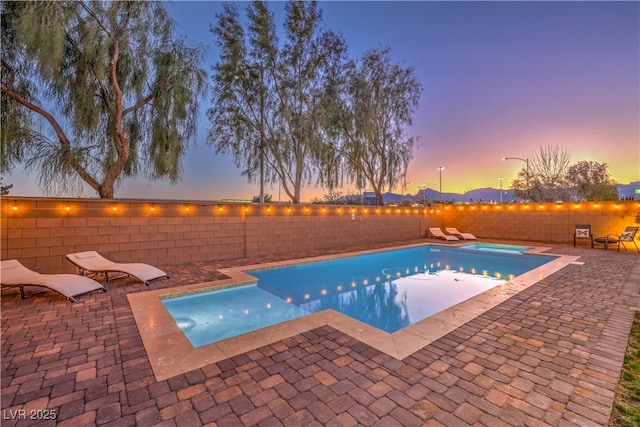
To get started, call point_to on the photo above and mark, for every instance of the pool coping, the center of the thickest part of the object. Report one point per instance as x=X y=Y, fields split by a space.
x=170 y=352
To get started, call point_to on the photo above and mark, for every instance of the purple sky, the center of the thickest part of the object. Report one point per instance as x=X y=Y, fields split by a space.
x=500 y=79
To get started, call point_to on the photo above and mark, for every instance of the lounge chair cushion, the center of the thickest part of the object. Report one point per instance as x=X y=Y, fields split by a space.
x=626 y=236
x=436 y=232
x=583 y=233
x=464 y=236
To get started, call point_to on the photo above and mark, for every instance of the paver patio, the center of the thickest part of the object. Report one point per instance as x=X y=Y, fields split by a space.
x=550 y=355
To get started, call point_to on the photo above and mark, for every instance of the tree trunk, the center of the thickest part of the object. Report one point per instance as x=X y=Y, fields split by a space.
x=106 y=191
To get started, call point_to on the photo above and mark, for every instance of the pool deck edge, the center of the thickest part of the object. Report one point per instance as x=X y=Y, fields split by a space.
x=170 y=353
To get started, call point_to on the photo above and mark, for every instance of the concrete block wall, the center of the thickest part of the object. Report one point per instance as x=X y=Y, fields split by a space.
x=40 y=231
x=545 y=222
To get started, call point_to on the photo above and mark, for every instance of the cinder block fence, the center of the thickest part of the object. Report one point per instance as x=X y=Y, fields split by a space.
x=40 y=231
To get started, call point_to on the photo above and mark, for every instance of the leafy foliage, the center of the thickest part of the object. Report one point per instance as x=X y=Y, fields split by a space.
x=368 y=125
x=268 y=98
x=626 y=408
x=92 y=91
x=592 y=181
x=268 y=198
x=552 y=178
x=302 y=109
x=5 y=189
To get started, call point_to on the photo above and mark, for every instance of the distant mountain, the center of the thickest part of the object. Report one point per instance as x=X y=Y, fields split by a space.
x=473 y=196
x=480 y=195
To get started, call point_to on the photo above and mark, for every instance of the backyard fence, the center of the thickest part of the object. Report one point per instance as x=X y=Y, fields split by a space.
x=40 y=231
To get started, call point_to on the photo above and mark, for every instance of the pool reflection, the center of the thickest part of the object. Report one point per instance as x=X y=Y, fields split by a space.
x=381 y=305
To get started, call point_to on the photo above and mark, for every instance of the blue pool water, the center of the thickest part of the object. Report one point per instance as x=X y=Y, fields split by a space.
x=494 y=247
x=388 y=290
x=214 y=316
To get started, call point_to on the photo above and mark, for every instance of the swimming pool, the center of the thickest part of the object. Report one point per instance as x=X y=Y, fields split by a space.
x=388 y=290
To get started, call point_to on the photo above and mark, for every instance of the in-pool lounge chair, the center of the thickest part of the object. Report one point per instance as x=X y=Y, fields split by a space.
x=628 y=235
x=583 y=231
x=91 y=262
x=464 y=236
x=12 y=273
x=438 y=234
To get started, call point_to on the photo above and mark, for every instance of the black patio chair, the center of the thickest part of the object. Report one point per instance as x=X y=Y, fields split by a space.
x=628 y=235
x=583 y=231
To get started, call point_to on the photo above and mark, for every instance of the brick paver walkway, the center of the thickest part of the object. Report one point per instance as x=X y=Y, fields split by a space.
x=551 y=355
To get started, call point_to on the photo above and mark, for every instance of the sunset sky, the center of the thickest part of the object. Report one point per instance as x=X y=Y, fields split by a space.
x=500 y=79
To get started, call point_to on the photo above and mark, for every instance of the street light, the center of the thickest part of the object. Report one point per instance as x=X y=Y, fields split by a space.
x=500 y=178
x=440 y=169
x=404 y=185
x=527 y=162
x=262 y=144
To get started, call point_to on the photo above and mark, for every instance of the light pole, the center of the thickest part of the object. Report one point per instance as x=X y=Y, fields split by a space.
x=404 y=185
x=500 y=178
x=527 y=163
x=440 y=169
x=423 y=190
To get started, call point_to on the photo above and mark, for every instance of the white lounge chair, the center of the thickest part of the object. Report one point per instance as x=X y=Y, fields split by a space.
x=93 y=262
x=463 y=236
x=438 y=234
x=12 y=273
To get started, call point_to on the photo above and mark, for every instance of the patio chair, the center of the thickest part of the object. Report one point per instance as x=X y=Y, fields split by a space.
x=464 y=236
x=91 y=262
x=582 y=232
x=14 y=274
x=438 y=234
x=628 y=235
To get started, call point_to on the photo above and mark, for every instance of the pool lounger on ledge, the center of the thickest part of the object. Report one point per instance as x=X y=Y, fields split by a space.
x=437 y=233
x=464 y=236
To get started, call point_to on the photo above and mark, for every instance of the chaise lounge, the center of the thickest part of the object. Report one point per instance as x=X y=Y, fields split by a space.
x=628 y=235
x=438 y=234
x=91 y=262
x=464 y=236
x=14 y=274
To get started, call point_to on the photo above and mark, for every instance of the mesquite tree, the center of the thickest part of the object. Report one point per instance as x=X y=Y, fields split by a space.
x=592 y=181
x=269 y=98
x=546 y=180
x=93 y=91
x=368 y=128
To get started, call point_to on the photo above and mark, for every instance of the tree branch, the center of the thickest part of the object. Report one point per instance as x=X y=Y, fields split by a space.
x=62 y=137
